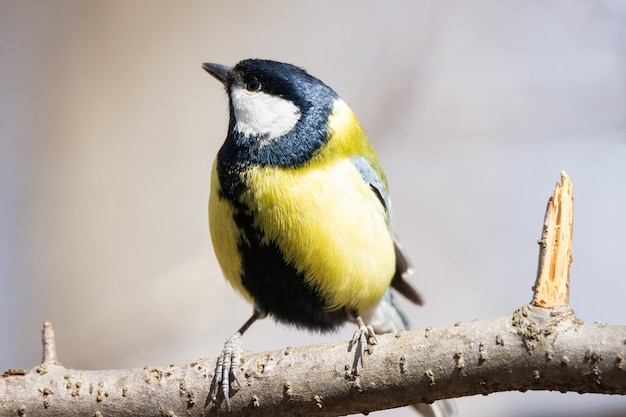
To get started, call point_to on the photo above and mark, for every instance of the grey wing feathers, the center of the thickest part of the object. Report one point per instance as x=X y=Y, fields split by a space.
x=387 y=316
x=403 y=266
x=370 y=177
x=403 y=270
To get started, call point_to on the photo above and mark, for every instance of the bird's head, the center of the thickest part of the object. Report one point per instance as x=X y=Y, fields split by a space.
x=270 y=100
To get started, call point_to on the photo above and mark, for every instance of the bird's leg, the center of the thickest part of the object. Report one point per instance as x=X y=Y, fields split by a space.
x=225 y=375
x=362 y=337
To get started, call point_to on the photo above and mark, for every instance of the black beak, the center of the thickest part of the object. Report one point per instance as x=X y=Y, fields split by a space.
x=218 y=71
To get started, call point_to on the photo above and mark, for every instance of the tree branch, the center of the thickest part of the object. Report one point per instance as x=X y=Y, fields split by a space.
x=532 y=349
x=540 y=346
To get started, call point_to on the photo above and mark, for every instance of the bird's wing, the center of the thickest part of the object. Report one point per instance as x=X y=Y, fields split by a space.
x=404 y=269
x=403 y=265
x=387 y=316
x=373 y=179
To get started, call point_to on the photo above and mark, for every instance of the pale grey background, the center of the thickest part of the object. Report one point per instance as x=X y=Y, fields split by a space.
x=108 y=128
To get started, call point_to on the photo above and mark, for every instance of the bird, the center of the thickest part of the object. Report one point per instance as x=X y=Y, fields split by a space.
x=299 y=212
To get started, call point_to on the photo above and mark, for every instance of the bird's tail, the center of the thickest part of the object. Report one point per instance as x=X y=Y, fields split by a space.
x=387 y=317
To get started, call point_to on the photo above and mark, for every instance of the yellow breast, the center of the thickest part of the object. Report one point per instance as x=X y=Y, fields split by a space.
x=330 y=226
x=323 y=217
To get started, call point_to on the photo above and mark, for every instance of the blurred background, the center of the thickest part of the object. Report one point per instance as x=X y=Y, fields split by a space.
x=108 y=129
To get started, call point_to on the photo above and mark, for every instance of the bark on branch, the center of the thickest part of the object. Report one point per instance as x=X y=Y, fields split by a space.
x=532 y=349
x=540 y=346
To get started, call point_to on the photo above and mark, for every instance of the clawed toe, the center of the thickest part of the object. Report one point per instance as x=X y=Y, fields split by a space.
x=225 y=376
x=362 y=337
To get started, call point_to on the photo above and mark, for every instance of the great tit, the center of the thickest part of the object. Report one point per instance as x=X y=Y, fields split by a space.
x=299 y=211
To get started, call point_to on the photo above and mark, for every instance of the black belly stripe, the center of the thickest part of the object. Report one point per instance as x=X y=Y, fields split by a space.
x=279 y=288
x=276 y=287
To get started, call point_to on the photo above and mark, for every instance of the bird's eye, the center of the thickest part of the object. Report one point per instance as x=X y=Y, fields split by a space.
x=253 y=85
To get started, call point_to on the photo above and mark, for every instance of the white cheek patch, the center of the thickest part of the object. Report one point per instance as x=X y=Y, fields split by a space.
x=262 y=114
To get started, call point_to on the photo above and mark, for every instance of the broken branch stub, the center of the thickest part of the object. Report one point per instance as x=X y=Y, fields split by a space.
x=555 y=248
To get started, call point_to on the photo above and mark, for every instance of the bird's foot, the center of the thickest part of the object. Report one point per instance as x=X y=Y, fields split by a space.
x=362 y=337
x=225 y=376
